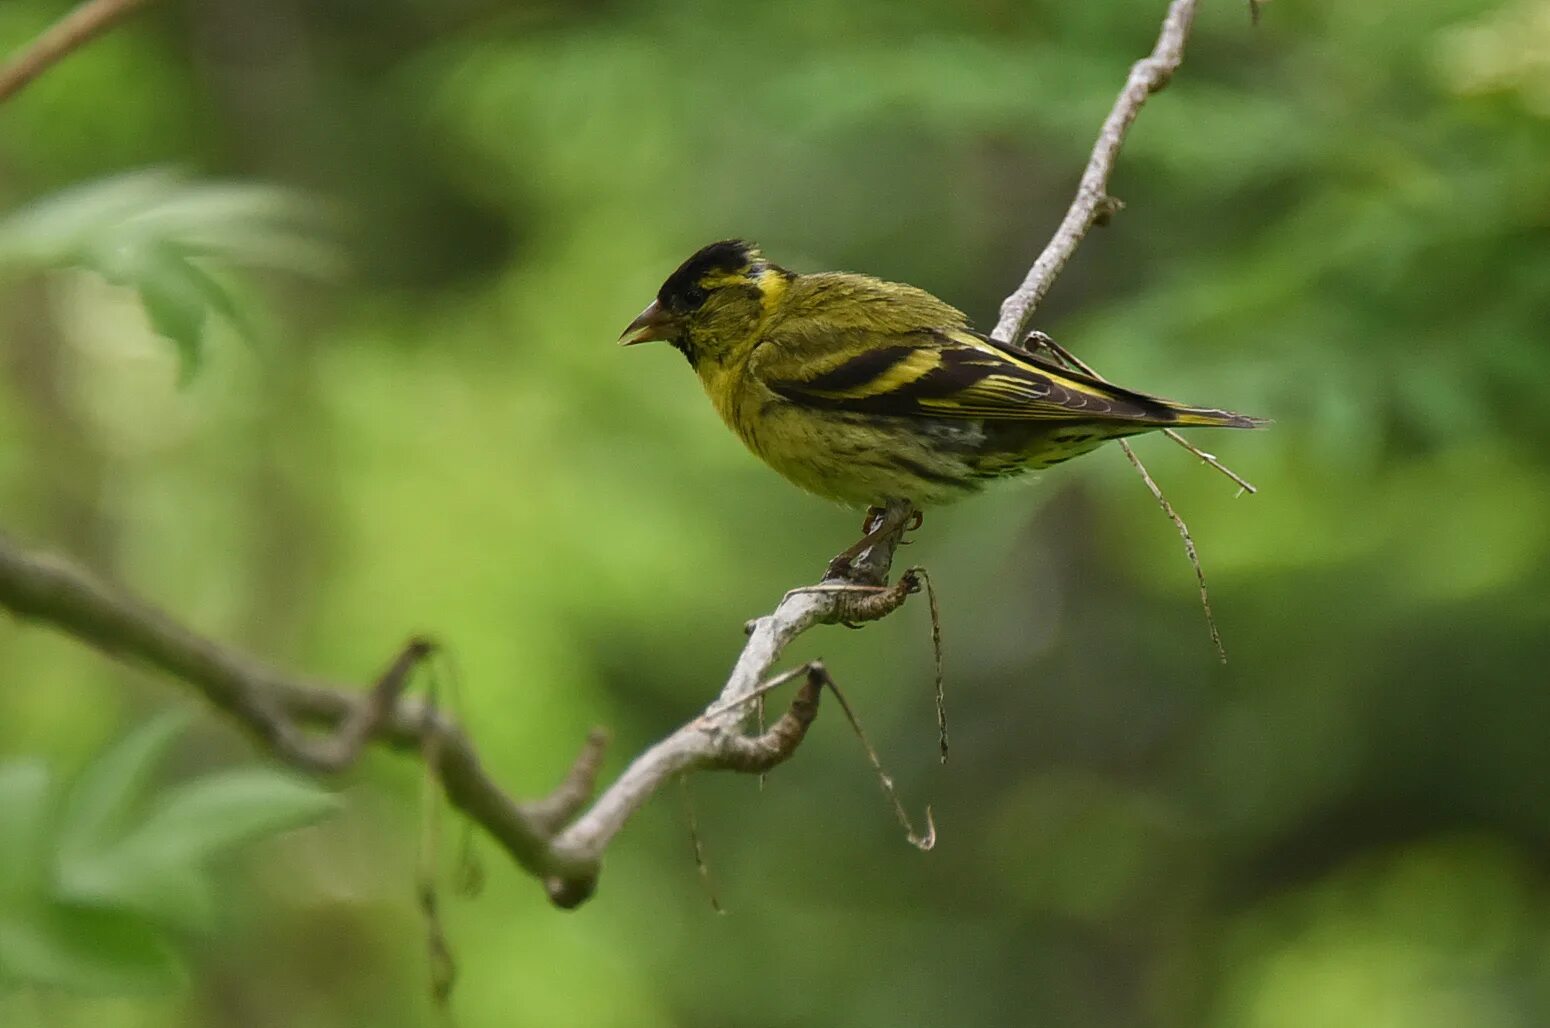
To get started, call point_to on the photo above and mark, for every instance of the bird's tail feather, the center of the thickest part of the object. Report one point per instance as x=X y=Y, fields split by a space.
x=1145 y=409
x=1181 y=416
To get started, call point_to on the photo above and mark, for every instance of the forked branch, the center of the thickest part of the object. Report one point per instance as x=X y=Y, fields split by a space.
x=323 y=728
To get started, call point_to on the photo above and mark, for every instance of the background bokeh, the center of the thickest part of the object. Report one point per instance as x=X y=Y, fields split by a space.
x=1339 y=219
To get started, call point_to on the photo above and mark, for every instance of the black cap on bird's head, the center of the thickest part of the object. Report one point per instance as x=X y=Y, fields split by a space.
x=730 y=262
x=685 y=288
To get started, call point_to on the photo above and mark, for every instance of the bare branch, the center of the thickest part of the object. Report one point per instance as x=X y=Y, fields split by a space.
x=269 y=705
x=715 y=739
x=1093 y=203
x=74 y=30
x=1094 y=206
x=555 y=811
x=545 y=837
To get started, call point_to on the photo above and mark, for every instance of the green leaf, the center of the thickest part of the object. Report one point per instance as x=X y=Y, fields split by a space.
x=156 y=869
x=59 y=229
x=199 y=819
x=177 y=307
x=142 y=882
x=105 y=224
x=98 y=803
x=152 y=231
x=93 y=951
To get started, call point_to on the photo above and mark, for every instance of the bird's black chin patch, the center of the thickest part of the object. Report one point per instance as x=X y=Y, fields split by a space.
x=682 y=345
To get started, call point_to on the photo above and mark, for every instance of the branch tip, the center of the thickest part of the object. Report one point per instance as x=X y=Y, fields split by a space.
x=570 y=893
x=555 y=810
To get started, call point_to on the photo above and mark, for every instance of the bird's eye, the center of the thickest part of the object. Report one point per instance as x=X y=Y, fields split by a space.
x=693 y=297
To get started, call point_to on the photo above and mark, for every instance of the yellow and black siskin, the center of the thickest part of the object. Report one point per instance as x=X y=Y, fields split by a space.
x=865 y=391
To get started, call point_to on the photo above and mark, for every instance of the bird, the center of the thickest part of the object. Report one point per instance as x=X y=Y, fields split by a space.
x=871 y=393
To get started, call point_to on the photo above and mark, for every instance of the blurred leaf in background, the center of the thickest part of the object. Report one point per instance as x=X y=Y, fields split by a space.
x=166 y=237
x=103 y=888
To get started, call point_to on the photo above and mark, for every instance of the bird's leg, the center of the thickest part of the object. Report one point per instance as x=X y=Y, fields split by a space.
x=880 y=523
x=840 y=565
x=874 y=516
x=1035 y=341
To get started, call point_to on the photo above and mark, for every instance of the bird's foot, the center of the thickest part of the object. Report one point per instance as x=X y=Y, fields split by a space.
x=875 y=515
x=1035 y=341
x=879 y=524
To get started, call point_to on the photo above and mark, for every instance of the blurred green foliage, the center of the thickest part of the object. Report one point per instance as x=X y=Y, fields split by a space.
x=1339 y=219
x=156 y=234
x=92 y=882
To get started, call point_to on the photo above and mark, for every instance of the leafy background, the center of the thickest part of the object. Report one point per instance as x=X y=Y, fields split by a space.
x=396 y=406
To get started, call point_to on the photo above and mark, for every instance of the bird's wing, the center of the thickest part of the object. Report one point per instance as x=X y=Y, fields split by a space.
x=952 y=373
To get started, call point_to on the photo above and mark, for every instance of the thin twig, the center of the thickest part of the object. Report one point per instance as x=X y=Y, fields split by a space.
x=936 y=656
x=1093 y=205
x=443 y=968
x=556 y=810
x=1208 y=458
x=922 y=842
x=70 y=33
x=702 y=869
x=759 y=727
x=1189 y=546
x=758 y=692
x=1069 y=359
x=1092 y=202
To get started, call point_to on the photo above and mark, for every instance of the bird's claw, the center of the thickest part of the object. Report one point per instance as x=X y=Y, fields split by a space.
x=839 y=567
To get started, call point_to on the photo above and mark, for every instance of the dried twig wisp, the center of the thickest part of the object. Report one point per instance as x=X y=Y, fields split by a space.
x=1069 y=359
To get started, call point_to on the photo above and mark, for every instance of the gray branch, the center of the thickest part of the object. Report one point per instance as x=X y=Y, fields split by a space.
x=1093 y=204
x=323 y=728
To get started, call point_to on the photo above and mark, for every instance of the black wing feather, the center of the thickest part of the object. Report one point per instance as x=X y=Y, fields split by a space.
x=965 y=381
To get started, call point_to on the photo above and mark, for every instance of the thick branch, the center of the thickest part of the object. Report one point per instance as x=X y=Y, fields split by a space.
x=74 y=30
x=712 y=740
x=1093 y=202
x=268 y=704
x=540 y=836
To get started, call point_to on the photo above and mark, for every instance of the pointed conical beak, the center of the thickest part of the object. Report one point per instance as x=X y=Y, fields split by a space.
x=653 y=323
